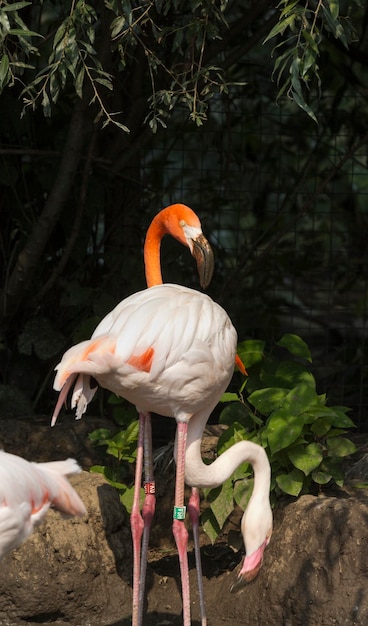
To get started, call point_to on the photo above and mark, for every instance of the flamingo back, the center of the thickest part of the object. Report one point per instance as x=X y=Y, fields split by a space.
x=166 y=349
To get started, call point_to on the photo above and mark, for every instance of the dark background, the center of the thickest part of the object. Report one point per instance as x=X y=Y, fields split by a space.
x=282 y=199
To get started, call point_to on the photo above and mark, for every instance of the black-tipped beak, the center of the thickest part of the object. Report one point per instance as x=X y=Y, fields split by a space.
x=243 y=579
x=203 y=255
x=250 y=567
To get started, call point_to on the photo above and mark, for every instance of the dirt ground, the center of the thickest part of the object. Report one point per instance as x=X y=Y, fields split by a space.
x=315 y=570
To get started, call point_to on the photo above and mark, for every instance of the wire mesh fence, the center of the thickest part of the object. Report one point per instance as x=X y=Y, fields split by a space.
x=284 y=203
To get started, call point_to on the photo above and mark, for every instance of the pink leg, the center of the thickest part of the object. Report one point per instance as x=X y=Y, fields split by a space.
x=193 y=508
x=136 y=521
x=179 y=531
x=148 y=510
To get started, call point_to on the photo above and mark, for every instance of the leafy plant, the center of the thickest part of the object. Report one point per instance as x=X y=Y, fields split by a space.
x=278 y=407
x=301 y=27
x=15 y=43
x=121 y=446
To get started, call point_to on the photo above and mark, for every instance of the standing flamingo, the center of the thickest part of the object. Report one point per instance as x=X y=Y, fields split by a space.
x=27 y=490
x=171 y=350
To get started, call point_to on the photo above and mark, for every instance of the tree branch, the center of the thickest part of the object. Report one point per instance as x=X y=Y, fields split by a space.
x=18 y=285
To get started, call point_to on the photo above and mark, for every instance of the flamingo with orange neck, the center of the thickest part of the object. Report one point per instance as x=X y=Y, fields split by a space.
x=171 y=350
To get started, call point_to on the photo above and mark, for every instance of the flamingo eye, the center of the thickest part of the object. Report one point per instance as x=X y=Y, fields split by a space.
x=182 y=223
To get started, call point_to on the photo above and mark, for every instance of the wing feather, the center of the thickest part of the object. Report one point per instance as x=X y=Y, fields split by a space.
x=191 y=338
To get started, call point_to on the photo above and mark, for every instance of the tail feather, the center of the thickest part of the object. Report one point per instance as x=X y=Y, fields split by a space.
x=62 y=495
x=67 y=501
x=69 y=467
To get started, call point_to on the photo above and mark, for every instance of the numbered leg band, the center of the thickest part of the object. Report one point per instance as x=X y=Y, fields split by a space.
x=149 y=488
x=179 y=512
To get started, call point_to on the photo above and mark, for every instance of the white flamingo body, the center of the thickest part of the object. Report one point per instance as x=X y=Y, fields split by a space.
x=193 y=346
x=171 y=350
x=27 y=490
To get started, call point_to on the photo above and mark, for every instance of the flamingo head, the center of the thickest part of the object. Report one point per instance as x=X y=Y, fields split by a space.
x=179 y=221
x=256 y=529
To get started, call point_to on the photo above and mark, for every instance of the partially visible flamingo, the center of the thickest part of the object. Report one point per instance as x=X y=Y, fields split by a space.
x=27 y=490
x=171 y=350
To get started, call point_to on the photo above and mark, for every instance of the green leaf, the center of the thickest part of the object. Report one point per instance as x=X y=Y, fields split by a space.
x=321 y=478
x=236 y=432
x=340 y=446
x=210 y=525
x=334 y=8
x=341 y=420
x=24 y=32
x=286 y=423
x=331 y=19
x=126 y=497
x=241 y=413
x=97 y=469
x=309 y=59
x=15 y=6
x=267 y=399
x=291 y=7
x=59 y=35
x=222 y=505
x=310 y=39
x=4 y=69
x=306 y=458
x=283 y=429
x=123 y=412
x=106 y=83
x=299 y=399
x=243 y=472
x=132 y=431
x=229 y=397
x=281 y=27
x=242 y=492
x=99 y=436
x=295 y=345
x=291 y=483
x=78 y=84
x=251 y=351
x=289 y=374
x=299 y=99
x=333 y=466
x=117 y=26
x=316 y=411
x=46 y=105
x=322 y=426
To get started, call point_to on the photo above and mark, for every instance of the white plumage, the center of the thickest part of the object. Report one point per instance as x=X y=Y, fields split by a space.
x=27 y=490
x=193 y=345
x=171 y=350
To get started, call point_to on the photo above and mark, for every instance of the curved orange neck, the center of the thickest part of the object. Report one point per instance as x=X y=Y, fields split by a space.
x=165 y=222
x=152 y=247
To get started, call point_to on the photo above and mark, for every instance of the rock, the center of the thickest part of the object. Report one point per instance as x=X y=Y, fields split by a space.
x=314 y=572
x=78 y=572
x=35 y=440
x=74 y=571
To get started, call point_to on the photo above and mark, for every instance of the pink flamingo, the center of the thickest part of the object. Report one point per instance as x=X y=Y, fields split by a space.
x=171 y=350
x=27 y=490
